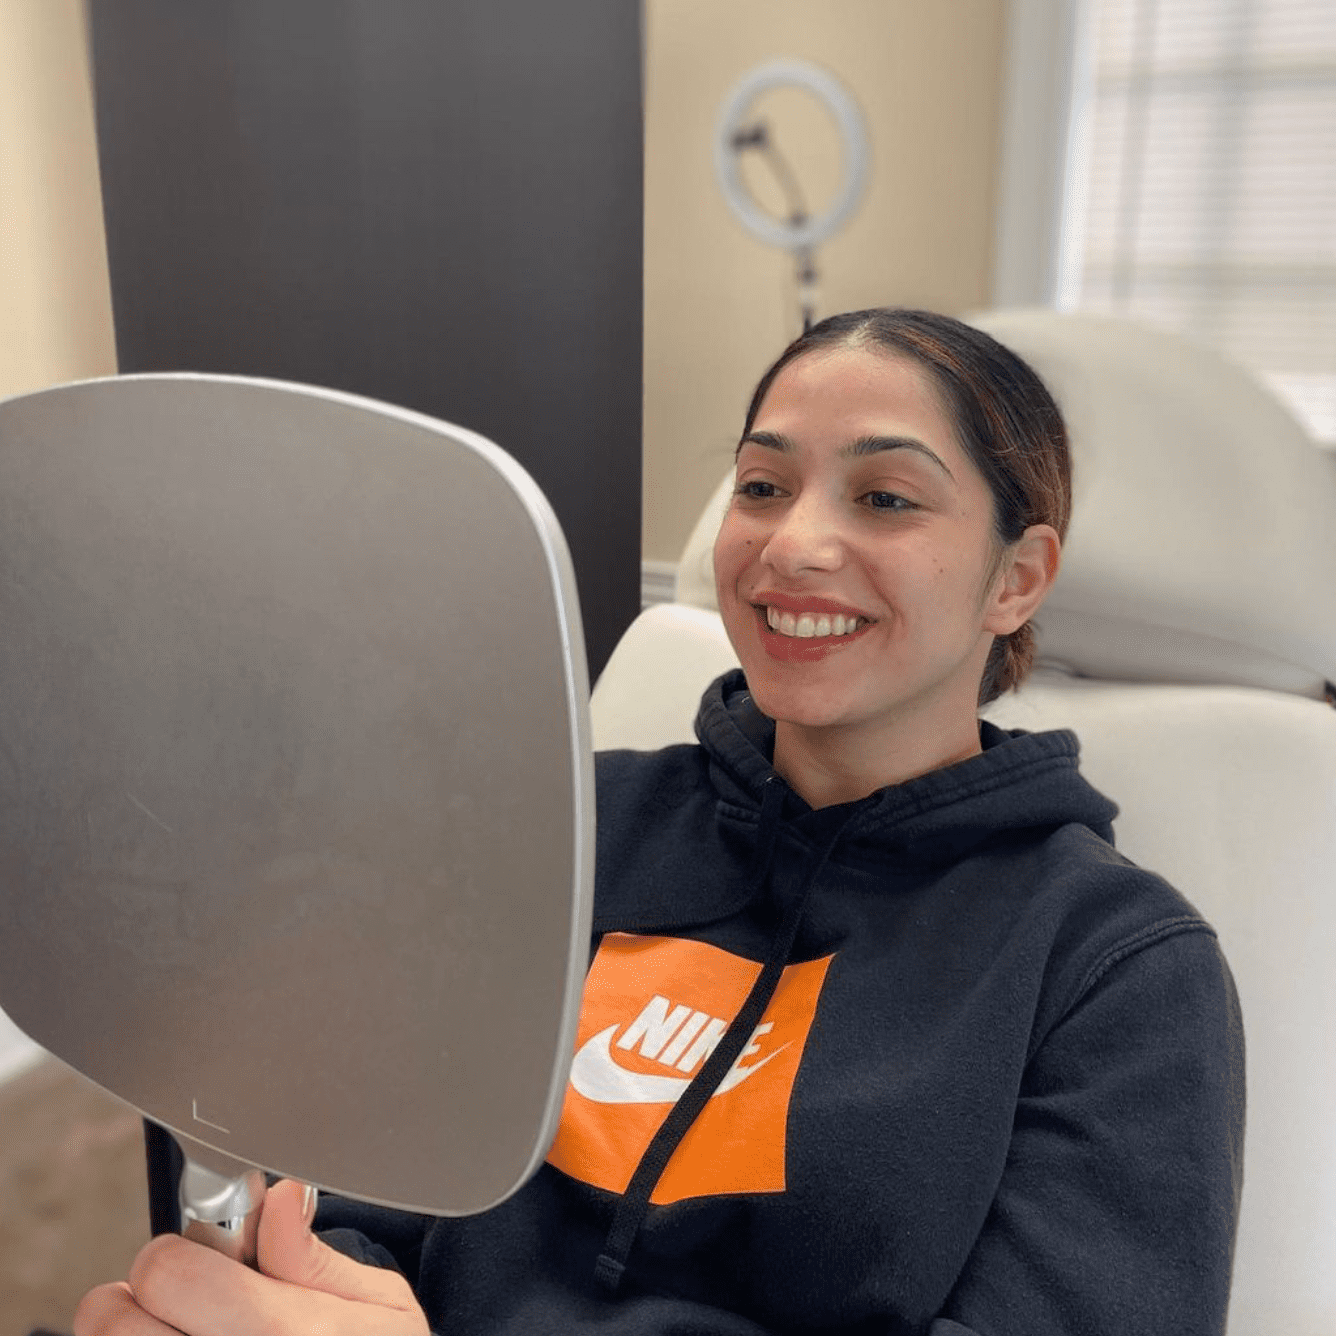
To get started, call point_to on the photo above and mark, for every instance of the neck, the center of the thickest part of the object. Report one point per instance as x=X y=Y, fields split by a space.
x=829 y=766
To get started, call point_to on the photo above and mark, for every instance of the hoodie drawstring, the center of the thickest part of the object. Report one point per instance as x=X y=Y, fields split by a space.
x=767 y=833
x=634 y=1203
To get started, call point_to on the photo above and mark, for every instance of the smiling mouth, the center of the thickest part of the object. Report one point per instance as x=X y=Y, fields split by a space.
x=811 y=625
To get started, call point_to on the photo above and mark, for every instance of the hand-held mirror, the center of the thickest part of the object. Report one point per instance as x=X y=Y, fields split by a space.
x=296 y=814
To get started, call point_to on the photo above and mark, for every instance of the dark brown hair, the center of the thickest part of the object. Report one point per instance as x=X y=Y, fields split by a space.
x=1004 y=419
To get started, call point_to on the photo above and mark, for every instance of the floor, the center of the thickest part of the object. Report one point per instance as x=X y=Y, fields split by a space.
x=73 y=1207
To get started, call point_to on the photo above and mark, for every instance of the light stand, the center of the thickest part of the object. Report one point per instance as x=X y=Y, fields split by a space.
x=801 y=232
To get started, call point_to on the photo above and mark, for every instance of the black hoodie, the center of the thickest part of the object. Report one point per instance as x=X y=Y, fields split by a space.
x=997 y=1088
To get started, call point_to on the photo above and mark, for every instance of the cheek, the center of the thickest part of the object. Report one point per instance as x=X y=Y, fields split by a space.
x=732 y=553
x=725 y=574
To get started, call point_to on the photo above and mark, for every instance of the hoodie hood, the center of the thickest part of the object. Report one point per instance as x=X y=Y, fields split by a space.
x=1021 y=782
x=1021 y=787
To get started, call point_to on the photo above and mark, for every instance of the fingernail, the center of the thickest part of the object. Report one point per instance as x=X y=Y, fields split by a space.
x=309 y=1198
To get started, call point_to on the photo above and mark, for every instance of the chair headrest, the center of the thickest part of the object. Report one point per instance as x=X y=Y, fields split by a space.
x=1202 y=547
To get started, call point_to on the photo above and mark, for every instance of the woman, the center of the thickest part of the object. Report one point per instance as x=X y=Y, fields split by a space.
x=880 y=1033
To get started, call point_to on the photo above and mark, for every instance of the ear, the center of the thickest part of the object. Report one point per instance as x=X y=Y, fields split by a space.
x=1028 y=568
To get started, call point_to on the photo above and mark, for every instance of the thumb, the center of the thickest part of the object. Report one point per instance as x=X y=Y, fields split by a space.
x=287 y=1250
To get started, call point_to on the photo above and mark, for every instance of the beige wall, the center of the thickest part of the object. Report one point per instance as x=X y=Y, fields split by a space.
x=718 y=303
x=55 y=305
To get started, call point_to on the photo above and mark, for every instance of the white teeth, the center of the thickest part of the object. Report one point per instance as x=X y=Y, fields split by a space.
x=806 y=625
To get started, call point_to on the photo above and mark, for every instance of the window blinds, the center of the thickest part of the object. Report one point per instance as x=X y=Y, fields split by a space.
x=1206 y=190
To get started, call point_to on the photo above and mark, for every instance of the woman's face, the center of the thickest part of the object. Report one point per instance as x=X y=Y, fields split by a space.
x=855 y=564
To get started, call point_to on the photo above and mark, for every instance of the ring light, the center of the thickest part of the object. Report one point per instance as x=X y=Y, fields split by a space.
x=809 y=232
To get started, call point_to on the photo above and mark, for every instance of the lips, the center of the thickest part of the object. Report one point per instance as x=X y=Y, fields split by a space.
x=797 y=603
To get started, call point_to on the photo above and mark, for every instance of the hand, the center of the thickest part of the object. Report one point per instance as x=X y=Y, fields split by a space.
x=302 y=1286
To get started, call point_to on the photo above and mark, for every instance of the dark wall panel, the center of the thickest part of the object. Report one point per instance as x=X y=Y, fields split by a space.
x=432 y=202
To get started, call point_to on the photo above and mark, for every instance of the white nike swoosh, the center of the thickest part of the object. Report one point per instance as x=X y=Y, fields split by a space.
x=597 y=1076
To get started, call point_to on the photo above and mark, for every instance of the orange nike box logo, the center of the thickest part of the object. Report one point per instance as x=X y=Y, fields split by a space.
x=654 y=1009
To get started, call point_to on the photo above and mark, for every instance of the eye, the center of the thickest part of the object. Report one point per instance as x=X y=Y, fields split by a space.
x=887 y=501
x=756 y=489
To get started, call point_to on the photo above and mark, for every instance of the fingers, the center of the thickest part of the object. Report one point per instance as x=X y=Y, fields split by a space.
x=179 y=1286
x=110 y=1310
x=203 y=1293
x=192 y=1288
x=288 y=1251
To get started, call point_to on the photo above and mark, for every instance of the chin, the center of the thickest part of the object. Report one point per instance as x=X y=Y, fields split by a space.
x=804 y=704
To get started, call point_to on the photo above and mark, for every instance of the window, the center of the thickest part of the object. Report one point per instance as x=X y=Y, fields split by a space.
x=1202 y=194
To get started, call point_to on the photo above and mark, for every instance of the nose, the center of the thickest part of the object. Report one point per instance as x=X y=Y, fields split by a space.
x=806 y=537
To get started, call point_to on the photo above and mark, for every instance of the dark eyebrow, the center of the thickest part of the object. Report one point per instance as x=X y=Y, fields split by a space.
x=770 y=439
x=871 y=445
x=867 y=445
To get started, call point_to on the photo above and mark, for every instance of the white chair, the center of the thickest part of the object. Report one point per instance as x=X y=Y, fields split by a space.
x=1190 y=642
